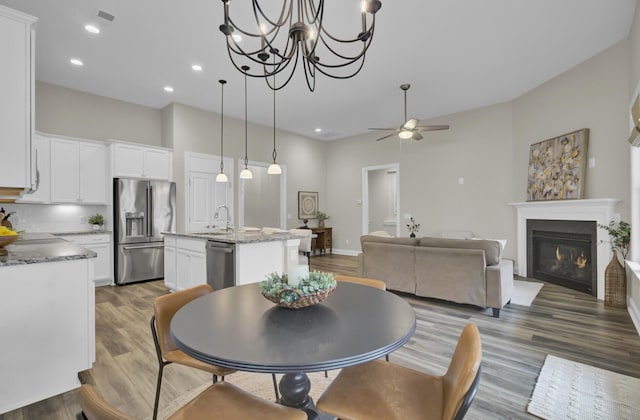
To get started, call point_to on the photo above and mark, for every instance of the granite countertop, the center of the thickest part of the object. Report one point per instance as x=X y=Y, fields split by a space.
x=238 y=237
x=34 y=248
x=81 y=232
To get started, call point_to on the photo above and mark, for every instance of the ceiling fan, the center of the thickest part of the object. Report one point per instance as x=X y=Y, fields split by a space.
x=410 y=129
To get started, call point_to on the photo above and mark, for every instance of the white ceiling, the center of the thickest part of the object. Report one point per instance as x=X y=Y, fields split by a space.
x=457 y=55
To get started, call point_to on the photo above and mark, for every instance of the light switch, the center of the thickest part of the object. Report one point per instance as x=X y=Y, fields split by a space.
x=461 y=180
x=407 y=216
x=592 y=162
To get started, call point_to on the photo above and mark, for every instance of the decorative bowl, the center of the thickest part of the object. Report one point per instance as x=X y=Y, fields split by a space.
x=311 y=290
x=302 y=300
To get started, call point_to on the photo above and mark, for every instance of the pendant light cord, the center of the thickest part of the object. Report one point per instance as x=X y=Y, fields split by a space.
x=246 y=132
x=222 y=82
x=274 y=154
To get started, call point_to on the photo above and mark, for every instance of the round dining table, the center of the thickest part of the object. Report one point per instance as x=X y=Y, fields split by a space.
x=238 y=328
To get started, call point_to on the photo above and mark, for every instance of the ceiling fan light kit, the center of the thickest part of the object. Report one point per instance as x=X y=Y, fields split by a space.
x=299 y=33
x=410 y=128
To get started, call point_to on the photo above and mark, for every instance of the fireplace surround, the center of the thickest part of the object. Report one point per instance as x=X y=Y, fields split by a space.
x=599 y=210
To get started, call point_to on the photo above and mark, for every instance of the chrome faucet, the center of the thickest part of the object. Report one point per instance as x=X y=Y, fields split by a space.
x=229 y=226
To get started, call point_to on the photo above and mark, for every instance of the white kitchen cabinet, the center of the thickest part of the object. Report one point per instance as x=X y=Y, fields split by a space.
x=17 y=50
x=100 y=243
x=42 y=163
x=170 y=263
x=191 y=263
x=132 y=160
x=78 y=172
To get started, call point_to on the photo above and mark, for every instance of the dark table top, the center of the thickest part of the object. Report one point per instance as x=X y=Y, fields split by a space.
x=238 y=328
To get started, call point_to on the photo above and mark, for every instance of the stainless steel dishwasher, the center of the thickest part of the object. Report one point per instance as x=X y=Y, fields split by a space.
x=220 y=265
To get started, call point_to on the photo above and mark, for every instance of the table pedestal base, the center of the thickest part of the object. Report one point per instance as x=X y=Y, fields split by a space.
x=294 y=392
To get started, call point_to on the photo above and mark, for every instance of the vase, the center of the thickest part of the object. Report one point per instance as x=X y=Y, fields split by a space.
x=321 y=223
x=615 y=284
x=413 y=235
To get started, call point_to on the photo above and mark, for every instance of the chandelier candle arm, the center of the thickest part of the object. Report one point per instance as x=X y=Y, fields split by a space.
x=298 y=32
x=222 y=177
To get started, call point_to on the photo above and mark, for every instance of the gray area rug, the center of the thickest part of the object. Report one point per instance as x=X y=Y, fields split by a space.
x=571 y=390
x=259 y=384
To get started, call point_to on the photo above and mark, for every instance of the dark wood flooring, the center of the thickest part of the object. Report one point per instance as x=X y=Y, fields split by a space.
x=561 y=322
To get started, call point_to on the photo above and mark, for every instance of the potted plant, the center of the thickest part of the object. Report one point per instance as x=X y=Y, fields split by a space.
x=321 y=218
x=413 y=227
x=615 y=277
x=97 y=220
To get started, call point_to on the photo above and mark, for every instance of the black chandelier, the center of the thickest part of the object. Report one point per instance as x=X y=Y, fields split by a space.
x=297 y=32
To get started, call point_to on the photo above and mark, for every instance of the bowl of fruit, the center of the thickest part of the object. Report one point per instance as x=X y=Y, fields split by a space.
x=7 y=236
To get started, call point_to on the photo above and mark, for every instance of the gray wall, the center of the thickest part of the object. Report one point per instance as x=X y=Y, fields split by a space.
x=73 y=113
x=488 y=147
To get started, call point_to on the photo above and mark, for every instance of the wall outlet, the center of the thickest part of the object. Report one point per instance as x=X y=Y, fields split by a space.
x=83 y=219
x=346 y=241
x=461 y=180
x=592 y=162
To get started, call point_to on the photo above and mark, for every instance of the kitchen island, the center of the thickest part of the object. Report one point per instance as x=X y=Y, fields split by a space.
x=188 y=257
x=47 y=309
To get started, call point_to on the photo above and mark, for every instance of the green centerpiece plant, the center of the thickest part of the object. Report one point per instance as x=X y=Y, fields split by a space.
x=277 y=289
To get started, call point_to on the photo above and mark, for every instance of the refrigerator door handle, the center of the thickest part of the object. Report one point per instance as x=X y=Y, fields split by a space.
x=127 y=248
x=149 y=211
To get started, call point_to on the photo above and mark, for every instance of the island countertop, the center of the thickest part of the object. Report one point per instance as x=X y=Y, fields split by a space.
x=34 y=248
x=238 y=237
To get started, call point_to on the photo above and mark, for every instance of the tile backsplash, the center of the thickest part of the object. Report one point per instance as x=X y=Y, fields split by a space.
x=53 y=217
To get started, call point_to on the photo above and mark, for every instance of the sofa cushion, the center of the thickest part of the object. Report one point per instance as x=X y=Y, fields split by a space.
x=388 y=240
x=492 y=249
x=393 y=264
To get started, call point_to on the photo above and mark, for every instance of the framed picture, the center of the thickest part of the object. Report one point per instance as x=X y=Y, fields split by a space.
x=557 y=167
x=307 y=205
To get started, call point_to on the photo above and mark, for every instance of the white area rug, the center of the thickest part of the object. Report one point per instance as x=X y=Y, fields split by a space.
x=571 y=390
x=524 y=292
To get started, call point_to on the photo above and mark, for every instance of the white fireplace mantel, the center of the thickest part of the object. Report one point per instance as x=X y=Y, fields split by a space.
x=600 y=210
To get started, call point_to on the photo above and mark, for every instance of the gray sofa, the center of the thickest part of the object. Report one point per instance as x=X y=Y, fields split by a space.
x=459 y=270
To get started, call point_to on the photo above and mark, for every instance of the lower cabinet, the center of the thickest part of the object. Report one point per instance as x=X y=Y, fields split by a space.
x=185 y=263
x=100 y=243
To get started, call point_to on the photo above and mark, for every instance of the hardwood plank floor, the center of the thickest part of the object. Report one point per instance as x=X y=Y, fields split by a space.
x=561 y=322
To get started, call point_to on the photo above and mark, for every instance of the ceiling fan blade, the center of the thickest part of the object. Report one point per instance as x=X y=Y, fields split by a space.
x=387 y=129
x=432 y=127
x=417 y=136
x=410 y=124
x=387 y=136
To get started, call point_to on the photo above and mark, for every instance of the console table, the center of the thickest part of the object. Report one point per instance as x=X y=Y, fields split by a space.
x=323 y=241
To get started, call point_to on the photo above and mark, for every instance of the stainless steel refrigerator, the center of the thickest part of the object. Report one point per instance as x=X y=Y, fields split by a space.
x=142 y=210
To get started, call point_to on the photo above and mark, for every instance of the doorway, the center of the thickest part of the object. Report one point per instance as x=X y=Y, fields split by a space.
x=262 y=200
x=381 y=199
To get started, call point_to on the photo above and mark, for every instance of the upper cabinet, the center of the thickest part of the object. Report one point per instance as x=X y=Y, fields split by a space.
x=42 y=165
x=78 y=172
x=16 y=99
x=131 y=160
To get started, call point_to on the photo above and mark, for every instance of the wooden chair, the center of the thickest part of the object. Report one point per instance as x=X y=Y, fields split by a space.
x=164 y=308
x=220 y=401
x=382 y=390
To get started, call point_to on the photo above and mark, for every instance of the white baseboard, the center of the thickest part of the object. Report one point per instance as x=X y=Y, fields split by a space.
x=634 y=313
x=348 y=252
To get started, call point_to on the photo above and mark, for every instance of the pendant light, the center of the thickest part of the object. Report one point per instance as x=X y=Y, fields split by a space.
x=222 y=177
x=274 y=168
x=246 y=172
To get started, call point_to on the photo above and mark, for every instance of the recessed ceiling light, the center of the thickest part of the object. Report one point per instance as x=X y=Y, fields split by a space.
x=237 y=37
x=92 y=29
x=168 y=89
x=196 y=67
x=318 y=130
x=76 y=62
